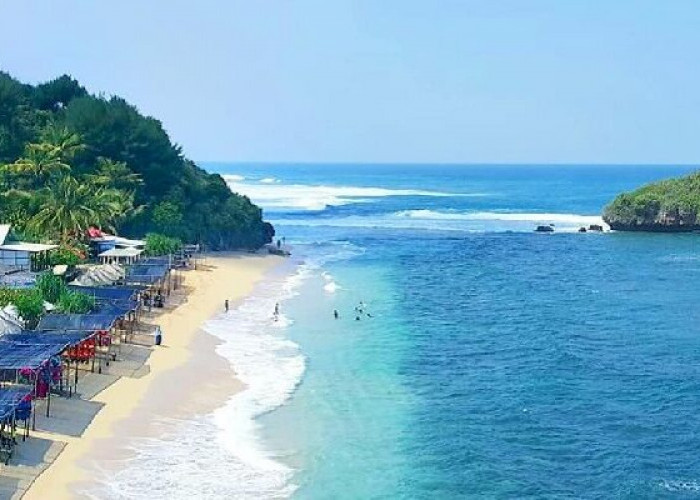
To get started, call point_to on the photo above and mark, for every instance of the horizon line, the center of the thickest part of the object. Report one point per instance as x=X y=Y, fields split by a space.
x=464 y=164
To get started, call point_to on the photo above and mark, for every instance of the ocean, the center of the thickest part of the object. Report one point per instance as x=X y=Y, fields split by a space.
x=485 y=360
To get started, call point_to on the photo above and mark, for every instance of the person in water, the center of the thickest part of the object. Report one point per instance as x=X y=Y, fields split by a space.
x=226 y=305
x=335 y=314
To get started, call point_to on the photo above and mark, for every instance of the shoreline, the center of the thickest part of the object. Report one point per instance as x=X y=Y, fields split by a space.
x=137 y=407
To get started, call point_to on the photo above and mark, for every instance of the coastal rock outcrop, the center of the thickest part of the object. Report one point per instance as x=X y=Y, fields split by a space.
x=667 y=206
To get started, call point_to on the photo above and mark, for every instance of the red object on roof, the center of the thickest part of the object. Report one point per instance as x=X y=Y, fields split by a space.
x=94 y=232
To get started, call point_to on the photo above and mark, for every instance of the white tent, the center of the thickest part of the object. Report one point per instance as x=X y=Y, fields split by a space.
x=106 y=274
x=10 y=321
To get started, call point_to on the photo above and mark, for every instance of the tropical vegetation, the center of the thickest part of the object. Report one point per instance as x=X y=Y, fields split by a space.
x=158 y=244
x=668 y=205
x=49 y=288
x=70 y=160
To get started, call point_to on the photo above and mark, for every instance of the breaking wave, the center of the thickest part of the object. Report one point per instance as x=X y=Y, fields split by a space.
x=274 y=195
x=472 y=222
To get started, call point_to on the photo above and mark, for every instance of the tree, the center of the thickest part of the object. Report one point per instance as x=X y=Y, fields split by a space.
x=70 y=208
x=57 y=93
x=115 y=175
x=167 y=216
x=65 y=143
x=158 y=244
x=40 y=162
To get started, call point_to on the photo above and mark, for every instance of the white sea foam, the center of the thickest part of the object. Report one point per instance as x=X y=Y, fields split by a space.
x=678 y=486
x=273 y=195
x=331 y=286
x=469 y=222
x=221 y=455
x=543 y=218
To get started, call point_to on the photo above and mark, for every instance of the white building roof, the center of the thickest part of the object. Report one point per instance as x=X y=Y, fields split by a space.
x=126 y=242
x=27 y=247
x=122 y=252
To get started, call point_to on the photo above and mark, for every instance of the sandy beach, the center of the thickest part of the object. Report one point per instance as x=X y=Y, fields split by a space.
x=186 y=360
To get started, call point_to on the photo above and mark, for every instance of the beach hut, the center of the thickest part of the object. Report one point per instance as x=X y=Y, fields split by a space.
x=122 y=256
x=11 y=400
x=21 y=256
x=95 y=346
x=25 y=256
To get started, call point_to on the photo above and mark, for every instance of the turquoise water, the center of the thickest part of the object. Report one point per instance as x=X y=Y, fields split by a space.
x=497 y=363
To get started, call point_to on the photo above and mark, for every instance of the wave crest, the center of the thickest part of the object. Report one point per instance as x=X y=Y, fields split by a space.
x=272 y=194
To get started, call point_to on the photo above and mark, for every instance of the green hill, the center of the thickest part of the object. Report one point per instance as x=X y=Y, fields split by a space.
x=667 y=206
x=99 y=161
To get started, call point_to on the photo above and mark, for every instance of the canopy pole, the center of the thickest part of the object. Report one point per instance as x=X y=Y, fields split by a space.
x=36 y=380
x=48 y=402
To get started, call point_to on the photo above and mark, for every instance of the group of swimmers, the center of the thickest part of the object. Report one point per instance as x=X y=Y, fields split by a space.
x=360 y=310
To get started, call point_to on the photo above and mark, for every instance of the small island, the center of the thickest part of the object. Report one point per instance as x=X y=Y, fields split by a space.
x=671 y=205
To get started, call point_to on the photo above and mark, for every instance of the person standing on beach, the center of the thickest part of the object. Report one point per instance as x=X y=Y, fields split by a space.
x=226 y=305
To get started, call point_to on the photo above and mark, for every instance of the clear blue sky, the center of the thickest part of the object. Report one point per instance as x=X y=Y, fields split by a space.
x=384 y=80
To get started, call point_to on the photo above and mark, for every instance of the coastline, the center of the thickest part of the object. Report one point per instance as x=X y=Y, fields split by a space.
x=133 y=407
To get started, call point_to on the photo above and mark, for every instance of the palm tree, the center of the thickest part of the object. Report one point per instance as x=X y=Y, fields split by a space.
x=70 y=208
x=40 y=161
x=66 y=143
x=115 y=175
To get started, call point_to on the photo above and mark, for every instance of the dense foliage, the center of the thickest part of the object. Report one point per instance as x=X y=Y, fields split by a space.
x=28 y=301
x=158 y=244
x=66 y=256
x=72 y=302
x=70 y=160
x=672 y=204
x=54 y=290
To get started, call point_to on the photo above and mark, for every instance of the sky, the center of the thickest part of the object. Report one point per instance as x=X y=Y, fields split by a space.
x=444 y=81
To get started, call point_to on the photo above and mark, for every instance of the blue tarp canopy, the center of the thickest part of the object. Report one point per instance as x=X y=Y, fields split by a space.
x=117 y=309
x=141 y=273
x=120 y=293
x=15 y=355
x=77 y=322
x=155 y=261
x=10 y=397
x=59 y=337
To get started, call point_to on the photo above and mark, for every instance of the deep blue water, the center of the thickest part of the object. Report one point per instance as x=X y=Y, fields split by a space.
x=498 y=363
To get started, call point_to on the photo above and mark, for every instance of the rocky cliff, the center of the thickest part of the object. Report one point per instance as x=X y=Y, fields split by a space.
x=667 y=206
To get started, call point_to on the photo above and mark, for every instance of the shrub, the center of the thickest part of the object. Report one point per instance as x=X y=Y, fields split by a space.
x=64 y=256
x=72 y=302
x=28 y=301
x=51 y=287
x=158 y=244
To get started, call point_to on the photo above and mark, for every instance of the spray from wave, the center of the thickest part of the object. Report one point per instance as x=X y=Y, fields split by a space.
x=272 y=194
